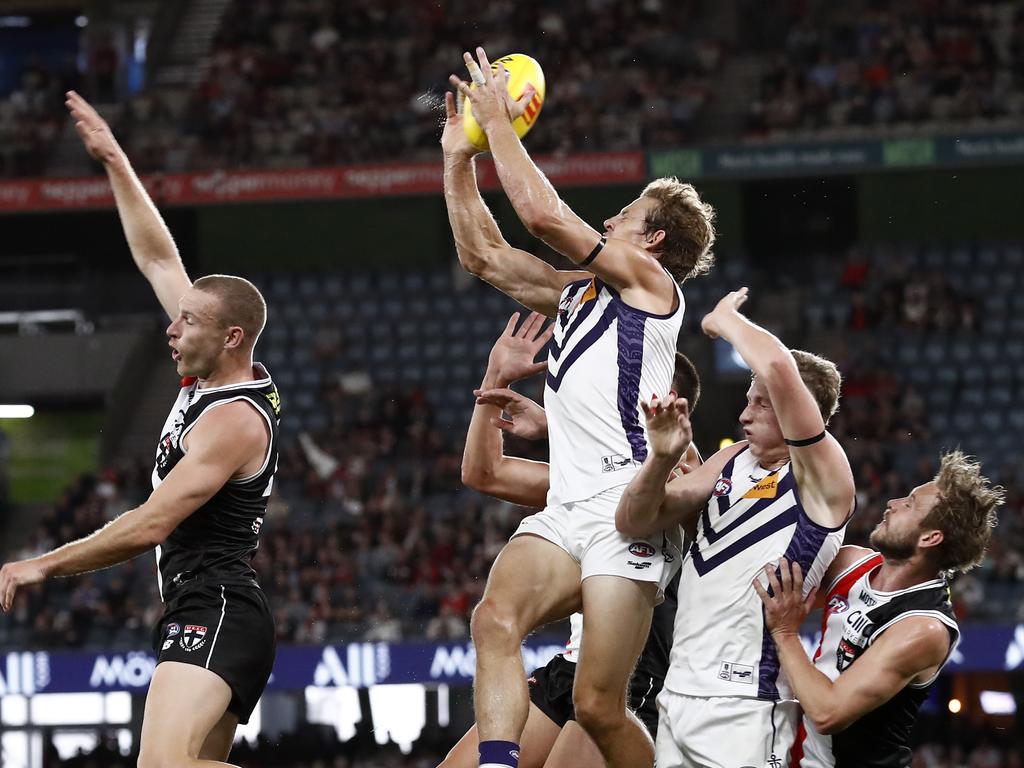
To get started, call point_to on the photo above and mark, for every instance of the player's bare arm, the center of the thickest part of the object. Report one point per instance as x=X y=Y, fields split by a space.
x=485 y=467
x=623 y=265
x=521 y=416
x=481 y=248
x=822 y=468
x=149 y=240
x=228 y=442
x=912 y=650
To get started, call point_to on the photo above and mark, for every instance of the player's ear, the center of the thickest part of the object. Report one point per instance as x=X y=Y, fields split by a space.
x=931 y=538
x=235 y=337
x=653 y=240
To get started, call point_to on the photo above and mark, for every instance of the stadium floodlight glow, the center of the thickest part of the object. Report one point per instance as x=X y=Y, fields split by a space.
x=955 y=706
x=725 y=442
x=17 y=411
x=998 y=703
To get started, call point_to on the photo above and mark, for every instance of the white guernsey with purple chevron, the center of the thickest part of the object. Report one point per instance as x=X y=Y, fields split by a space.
x=604 y=357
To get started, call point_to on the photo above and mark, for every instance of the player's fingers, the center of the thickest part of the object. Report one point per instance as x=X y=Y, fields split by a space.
x=503 y=424
x=538 y=368
x=784 y=574
x=449 y=105
x=811 y=597
x=646 y=408
x=485 y=64
x=773 y=580
x=461 y=86
x=798 y=578
x=546 y=335
x=474 y=70
x=761 y=591
x=510 y=326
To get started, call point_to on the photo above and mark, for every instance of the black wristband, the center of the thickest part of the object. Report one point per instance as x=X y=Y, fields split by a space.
x=593 y=254
x=808 y=441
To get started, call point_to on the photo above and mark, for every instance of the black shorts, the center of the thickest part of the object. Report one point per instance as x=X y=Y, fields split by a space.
x=226 y=629
x=551 y=691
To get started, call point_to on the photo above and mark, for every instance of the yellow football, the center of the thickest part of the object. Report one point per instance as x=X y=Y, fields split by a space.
x=523 y=70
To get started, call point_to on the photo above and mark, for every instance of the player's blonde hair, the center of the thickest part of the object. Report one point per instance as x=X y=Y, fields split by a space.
x=688 y=223
x=822 y=378
x=965 y=512
x=241 y=304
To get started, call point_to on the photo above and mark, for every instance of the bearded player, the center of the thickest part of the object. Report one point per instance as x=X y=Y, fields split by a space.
x=214 y=468
x=888 y=628
x=618 y=319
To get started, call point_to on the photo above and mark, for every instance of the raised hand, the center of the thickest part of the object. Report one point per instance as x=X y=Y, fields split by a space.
x=521 y=416
x=453 y=138
x=786 y=607
x=96 y=135
x=668 y=425
x=490 y=98
x=728 y=305
x=512 y=355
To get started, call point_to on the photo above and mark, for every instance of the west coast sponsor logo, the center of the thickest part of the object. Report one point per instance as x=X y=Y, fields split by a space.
x=193 y=637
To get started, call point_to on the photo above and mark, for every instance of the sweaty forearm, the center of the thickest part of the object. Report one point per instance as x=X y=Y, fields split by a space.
x=812 y=688
x=528 y=189
x=640 y=504
x=122 y=539
x=475 y=230
x=758 y=348
x=148 y=238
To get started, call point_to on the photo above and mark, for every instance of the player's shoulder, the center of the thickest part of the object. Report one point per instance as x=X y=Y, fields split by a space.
x=847 y=556
x=230 y=422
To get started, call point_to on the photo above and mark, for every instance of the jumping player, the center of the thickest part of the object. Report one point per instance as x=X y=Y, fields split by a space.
x=888 y=627
x=215 y=464
x=552 y=736
x=787 y=490
x=615 y=338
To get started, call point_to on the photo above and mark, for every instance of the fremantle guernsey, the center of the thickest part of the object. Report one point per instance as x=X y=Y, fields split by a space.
x=855 y=616
x=218 y=540
x=605 y=357
x=721 y=646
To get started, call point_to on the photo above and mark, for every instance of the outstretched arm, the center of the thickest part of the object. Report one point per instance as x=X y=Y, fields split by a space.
x=224 y=441
x=148 y=238
x=912 y=650
x=485 y=467
x=623 y=265
x=822 y=469
x=481 y=248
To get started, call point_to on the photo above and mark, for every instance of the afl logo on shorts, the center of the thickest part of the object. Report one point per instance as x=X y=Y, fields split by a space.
x=723 y=487
x=193 y=637
x=173 y=630
x=641 y=549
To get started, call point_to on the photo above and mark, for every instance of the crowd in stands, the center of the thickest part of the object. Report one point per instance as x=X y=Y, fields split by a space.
x=910 y=62
x=32 y=117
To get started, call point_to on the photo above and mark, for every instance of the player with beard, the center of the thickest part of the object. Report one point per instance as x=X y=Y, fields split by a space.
x=214 y=469
x=888 y=627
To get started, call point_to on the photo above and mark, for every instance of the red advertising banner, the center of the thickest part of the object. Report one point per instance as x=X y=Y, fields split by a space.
x=307 y=183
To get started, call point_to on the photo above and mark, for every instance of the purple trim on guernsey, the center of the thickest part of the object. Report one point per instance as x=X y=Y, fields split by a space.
x=571 y=290
x=787 y=484
x=584 y=344
x=630 y=362
x=643 y=313
x=777 y=523
x=581 y=315
x=803 y=548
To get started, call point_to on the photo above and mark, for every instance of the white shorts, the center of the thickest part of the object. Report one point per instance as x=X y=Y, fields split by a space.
x=586 y=530
x=723 y=731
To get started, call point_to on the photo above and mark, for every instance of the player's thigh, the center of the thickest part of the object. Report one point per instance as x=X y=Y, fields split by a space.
x=574 y=749
x=538 y=738
x=616 y=621
x=184 y=704
x=534 y=580
x=220 y=740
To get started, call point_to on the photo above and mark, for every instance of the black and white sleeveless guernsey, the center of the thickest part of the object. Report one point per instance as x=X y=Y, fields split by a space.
x=856 y=616
x=216 y=543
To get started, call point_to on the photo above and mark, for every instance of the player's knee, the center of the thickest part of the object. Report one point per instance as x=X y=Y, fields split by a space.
x=493 y=625
x=597 y=712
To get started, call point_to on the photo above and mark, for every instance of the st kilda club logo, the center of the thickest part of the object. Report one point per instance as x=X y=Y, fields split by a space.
x=193 y=637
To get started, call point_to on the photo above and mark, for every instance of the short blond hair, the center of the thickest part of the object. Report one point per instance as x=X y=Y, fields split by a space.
x=688 y=224
x=241 y=304
x=965 y=512
x=821 y=376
